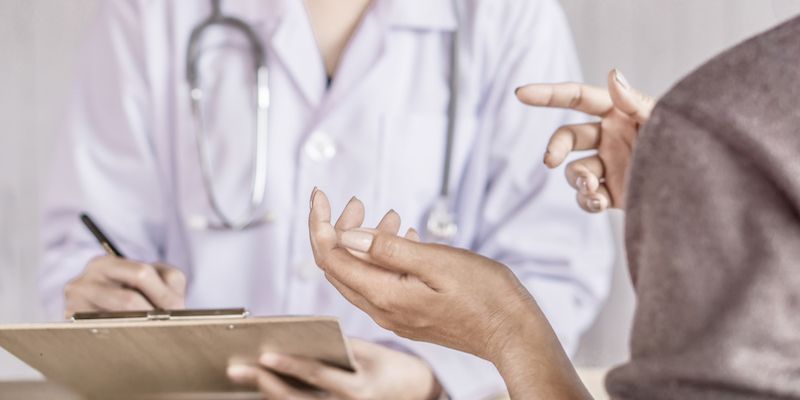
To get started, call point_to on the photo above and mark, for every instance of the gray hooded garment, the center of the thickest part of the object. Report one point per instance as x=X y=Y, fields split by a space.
x=713 y=232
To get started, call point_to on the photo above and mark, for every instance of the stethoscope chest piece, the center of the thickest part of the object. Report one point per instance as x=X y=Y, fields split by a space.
x=441 y=224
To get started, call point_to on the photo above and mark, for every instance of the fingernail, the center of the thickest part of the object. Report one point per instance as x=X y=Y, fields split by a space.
x=352 y=199
x=595 y=204
x=239 y=372
x=621 y=79
x=546 y=155
x=582 y=183
x=357 y=240
x=313 y=195
x=269 y=359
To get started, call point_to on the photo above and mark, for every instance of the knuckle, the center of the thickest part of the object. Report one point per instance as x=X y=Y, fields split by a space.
x=383 y=302
x=385 y=247
x=176 y=277
x=71 y=289
x=576 y=95
x=312 y=376
x=144 y=273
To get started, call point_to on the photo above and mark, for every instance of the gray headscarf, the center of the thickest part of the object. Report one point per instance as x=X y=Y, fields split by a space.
x=713 y=232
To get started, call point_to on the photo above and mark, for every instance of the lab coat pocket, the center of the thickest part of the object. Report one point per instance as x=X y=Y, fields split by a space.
x=413 y=160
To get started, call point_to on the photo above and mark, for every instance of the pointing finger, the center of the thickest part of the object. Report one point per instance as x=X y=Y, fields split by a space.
x=584 y=98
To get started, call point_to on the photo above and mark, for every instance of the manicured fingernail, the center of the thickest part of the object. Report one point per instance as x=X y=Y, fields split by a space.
x=269 y=359
x=313 y=195
x=239 y=372
x=621 y=79
x=357 y=240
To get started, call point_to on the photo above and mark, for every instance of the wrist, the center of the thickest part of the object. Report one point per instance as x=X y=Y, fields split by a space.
x=532 y=362
x=517 y=335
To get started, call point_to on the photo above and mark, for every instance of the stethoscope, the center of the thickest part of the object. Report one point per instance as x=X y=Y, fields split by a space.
x=441 y=225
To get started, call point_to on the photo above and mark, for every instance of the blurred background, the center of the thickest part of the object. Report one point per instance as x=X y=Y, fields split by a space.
x=654 y=42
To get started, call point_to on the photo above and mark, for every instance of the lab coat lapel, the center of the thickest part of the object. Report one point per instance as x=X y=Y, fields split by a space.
x=367 y=48
x=293 y=44
x=362 y=54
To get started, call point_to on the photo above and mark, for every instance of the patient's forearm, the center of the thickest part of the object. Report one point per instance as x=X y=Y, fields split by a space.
x=533 y=363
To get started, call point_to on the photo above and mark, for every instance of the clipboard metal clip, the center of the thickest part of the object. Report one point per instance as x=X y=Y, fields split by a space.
x=161 y=315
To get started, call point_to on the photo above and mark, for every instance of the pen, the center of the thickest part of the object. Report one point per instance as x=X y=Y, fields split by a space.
x=107 y=244
x=101 y=237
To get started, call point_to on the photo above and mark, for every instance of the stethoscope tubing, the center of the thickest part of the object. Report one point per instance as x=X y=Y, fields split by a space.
x=441 y=224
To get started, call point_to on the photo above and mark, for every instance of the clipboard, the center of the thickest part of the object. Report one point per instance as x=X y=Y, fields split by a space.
x=167 y=354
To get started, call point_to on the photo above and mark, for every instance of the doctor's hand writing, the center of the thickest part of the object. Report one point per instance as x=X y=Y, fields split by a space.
x=442 y=295
x=114 y=284
x=600 y=179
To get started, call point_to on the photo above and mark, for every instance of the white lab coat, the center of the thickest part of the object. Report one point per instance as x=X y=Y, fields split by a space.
x=127 y=155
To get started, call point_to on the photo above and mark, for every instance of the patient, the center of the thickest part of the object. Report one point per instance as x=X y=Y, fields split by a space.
x=713 y=239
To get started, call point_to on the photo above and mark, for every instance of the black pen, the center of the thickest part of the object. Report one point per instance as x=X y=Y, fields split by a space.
x=101 y=237
x=108 y=246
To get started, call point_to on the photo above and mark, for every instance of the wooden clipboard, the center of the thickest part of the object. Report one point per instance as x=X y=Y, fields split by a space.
x=157 y=356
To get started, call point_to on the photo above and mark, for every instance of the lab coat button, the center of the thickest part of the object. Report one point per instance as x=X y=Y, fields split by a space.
x=320 y=147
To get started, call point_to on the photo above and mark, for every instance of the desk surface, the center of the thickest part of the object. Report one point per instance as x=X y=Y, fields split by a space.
x=38 y=390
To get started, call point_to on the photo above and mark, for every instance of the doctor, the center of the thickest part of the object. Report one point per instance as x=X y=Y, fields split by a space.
x=196 y=154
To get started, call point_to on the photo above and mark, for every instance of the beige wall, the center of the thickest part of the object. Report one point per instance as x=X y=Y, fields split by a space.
x=653 y=41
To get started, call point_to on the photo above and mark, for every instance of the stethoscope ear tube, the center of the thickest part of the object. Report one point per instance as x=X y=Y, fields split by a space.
x=193 y=50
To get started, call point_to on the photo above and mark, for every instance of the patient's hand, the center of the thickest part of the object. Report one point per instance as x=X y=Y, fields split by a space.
x=600 y=179
x=420 y=291
x=443 y=295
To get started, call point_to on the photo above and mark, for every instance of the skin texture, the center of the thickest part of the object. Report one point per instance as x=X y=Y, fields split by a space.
x=113 y=284
x=600 y=179
x=431 y=292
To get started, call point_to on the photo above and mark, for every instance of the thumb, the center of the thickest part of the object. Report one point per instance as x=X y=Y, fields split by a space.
x=629 y=100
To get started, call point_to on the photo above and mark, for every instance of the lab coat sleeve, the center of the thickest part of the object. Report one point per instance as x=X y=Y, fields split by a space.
x=511 y=208
x=103 y=163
